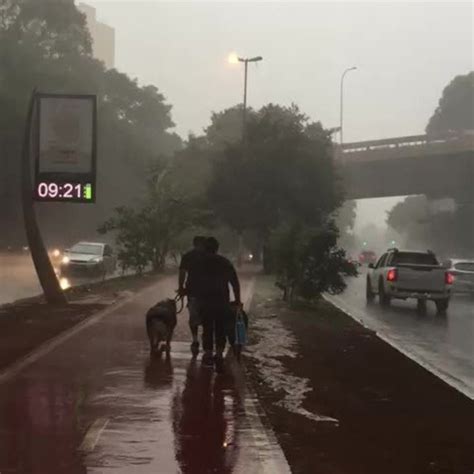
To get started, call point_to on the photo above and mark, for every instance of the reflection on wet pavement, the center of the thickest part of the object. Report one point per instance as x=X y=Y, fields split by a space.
x=276 y=342
x=207 y=412
x=64 y=283
x=98 y=403
x=185 y=419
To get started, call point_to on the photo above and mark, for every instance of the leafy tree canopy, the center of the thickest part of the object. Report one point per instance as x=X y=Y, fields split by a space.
x=284 y=169
x=451 y=233
x=455 y=111
x=46 y=45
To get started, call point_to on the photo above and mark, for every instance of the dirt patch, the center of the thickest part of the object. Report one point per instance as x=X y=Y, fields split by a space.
x=26 y=324
x=394 y=417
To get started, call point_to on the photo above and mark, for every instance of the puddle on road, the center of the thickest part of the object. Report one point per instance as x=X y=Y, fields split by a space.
x=276 y=342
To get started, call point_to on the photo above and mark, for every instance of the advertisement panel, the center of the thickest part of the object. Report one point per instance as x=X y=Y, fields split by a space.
x=66 y=145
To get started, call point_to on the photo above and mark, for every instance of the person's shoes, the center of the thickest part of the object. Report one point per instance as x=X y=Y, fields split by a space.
x=207 y=360
x=219 y=362
x=195 y=348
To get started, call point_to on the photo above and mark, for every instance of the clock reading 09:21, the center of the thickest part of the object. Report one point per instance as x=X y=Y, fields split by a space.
x=73 y=191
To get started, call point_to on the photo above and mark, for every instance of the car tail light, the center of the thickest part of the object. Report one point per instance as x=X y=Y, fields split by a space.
x=448 y=278
x=392 y=275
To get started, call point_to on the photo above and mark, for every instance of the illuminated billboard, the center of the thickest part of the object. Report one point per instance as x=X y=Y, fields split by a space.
x=66 y=148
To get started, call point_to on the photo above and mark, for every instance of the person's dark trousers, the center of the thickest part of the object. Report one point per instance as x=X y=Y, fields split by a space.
x=214 y=319
x=230 y=325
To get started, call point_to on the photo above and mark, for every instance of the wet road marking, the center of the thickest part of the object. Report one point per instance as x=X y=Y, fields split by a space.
x=93 y=434
x=445 y=377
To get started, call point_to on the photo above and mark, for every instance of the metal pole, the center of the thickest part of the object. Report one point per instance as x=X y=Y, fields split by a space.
x=45 y=271
x=244 y=139
x=244 y=111
x=342 y=109
x=342 y=102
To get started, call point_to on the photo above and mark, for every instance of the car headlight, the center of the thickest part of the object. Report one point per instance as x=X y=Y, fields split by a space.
x=56 y=253
x=65 y=260
x=97 y=260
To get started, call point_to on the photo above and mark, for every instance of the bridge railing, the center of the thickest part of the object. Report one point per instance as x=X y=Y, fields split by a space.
x=405 y=146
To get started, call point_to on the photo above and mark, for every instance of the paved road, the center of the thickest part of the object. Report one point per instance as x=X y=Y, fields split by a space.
x=18 y=278
x=97 y=403
x=444 y=345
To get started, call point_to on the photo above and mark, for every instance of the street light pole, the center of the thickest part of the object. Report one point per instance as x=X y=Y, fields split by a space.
x=234 y=59
x=244 y=111
x=342 y=101
x=246 y=62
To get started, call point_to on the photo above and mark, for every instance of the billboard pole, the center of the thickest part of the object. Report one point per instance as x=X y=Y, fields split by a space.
x=45 y=271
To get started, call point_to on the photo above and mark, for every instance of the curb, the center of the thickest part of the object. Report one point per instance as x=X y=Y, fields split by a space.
x=278 y=464
x=453 y=382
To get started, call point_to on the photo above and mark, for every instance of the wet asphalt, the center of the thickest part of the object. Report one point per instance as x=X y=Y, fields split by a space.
x=443 y=344
x=96 y=402
x=17 y=278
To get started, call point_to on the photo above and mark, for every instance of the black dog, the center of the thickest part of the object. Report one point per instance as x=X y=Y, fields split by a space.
x=160 y=323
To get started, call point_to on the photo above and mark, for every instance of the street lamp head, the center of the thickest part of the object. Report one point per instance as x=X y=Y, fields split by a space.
x=353 y=68
x=233 y=58
x=342 y=97
x=236 y=58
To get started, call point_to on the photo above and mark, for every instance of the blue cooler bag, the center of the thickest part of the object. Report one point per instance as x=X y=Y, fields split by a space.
x=240 y=329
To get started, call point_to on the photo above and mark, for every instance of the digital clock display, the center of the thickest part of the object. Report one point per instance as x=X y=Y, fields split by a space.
x=73 y=192
x=65 y=127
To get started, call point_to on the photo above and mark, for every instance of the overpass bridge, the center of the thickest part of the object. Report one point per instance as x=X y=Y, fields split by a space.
x=439 y=167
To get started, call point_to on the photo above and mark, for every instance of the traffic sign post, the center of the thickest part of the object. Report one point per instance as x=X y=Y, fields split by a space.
x=61 y=131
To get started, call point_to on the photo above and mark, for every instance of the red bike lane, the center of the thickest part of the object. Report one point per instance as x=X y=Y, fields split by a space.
x=95 y=402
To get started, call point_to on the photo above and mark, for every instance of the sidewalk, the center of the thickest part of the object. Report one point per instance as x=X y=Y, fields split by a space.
x=28 y=323
x=95 y=402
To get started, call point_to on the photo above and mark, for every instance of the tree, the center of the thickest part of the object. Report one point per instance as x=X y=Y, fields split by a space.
x=282 y=186
x=226 y=126
x=344 y=218
x=308 y=262
x=130 y=226
x=455 y=111
x=146 y=235
x=451 y=233
x=412 y=211
x=47 y=45
x=286 y=169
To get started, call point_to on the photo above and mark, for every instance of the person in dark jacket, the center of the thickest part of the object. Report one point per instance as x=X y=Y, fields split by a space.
x=187 y=285
x=215 y=273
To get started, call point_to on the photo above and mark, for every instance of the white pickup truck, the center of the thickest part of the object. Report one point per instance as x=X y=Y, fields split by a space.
x=403 y=274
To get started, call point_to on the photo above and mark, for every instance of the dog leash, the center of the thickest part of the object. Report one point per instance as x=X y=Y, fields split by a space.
x=181 y=299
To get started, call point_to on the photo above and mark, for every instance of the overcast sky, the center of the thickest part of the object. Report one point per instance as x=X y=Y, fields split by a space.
x=405 y=52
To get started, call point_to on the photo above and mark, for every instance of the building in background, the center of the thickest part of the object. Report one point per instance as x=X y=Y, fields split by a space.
x=103 y=36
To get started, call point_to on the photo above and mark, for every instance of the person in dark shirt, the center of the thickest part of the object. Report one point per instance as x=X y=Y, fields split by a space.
x=188 y=286
x=214 y=275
